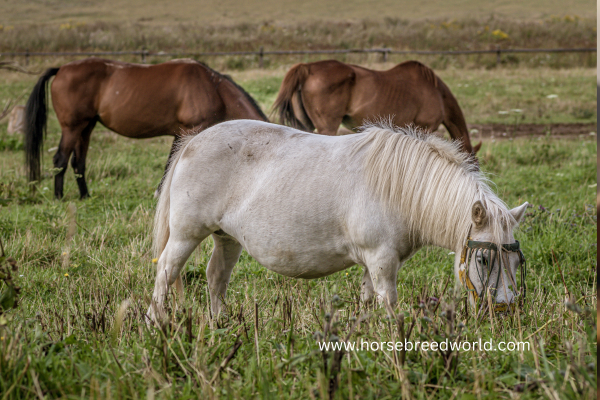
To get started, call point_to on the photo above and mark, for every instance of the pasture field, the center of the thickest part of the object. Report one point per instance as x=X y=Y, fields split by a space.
x=397 y=32
x=230 y=12
x=80 y=262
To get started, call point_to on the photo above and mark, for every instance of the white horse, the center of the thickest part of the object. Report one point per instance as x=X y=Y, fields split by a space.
x=306 y=206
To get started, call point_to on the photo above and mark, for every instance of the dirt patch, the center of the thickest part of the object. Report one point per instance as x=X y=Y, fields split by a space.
x=507 y=131
x=512 y=131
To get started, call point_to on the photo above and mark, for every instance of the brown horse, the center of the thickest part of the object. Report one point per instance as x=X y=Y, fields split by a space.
x=133 y=100
x=325 y=94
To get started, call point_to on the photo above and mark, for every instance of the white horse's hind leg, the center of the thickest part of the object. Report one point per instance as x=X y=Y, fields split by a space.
x=172 y=259
x=225 y=255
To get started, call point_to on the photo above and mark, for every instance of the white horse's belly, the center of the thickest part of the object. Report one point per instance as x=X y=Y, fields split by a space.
x=298 y=265
x=281 y=244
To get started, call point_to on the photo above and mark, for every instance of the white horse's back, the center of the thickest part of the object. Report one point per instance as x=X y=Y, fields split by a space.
x=293 y=200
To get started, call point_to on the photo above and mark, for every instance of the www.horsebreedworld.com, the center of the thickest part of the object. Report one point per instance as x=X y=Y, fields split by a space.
x=446 y=345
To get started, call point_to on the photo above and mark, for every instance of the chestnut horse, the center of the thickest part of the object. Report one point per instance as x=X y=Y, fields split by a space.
x=325 y=94
x=133 y=100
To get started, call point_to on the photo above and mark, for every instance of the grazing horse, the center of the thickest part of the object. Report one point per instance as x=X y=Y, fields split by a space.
x=387 y=192
x=133 y=100
x=325 y=94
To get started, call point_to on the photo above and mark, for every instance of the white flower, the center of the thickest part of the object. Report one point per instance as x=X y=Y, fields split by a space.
x=503 y=112
x=552 y=96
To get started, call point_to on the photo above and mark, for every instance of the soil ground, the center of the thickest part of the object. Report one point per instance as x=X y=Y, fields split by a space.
x=508 y=131
x=526 y=130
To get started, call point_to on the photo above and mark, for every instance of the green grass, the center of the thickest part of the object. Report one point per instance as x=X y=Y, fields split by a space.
x=65 y=339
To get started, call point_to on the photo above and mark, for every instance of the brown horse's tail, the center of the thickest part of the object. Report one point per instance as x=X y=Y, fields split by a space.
x=35 y=125
x=290 y=91
x=161 y=218
x=454 y=119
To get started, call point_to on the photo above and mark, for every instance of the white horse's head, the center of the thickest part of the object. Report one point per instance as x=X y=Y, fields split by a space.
x=486 y=266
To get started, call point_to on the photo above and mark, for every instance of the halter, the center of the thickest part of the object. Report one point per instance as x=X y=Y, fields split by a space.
x=490 y=249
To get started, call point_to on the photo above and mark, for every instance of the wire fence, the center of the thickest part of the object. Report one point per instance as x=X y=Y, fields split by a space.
x=261 y=53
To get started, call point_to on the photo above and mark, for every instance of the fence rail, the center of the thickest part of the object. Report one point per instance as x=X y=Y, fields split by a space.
x=261 y=52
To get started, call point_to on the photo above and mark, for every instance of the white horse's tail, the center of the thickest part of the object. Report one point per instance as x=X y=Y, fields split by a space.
x=161 y=218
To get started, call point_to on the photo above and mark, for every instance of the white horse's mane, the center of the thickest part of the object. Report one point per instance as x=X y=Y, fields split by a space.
x=430 y=182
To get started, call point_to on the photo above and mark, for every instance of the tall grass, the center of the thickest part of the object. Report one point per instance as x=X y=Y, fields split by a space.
x=399 y=34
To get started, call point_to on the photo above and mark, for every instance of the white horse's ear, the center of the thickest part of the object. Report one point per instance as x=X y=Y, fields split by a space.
x=519 y=212
x=478 y=214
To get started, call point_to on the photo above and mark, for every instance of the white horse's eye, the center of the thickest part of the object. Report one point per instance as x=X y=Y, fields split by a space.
x=483 y=261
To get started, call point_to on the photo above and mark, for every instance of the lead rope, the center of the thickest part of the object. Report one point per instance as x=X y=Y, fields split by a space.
x=462 y=273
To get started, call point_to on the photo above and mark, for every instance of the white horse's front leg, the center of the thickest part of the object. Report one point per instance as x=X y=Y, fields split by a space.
x=367 y=292
x=383 y=267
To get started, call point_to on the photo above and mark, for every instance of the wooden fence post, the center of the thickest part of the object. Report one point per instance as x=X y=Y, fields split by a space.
x=385 y=54
x=498 y=55
x=261 y=56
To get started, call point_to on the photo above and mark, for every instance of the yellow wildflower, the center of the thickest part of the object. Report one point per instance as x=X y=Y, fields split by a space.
x=498 y=34
x=67 y=275
x=154 y=260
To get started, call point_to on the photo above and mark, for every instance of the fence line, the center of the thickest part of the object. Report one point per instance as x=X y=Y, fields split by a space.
x=261 y=52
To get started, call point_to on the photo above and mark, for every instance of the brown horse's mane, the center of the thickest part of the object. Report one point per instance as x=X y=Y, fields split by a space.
x=241 y=89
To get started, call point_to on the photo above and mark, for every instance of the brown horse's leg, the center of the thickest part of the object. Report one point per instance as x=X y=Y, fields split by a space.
x=79 y=156
x=326 y=111
x=70 y=138
x=61 y=160
x=173 y=150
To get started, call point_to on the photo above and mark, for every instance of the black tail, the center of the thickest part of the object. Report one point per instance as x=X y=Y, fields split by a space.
x=35 y=125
